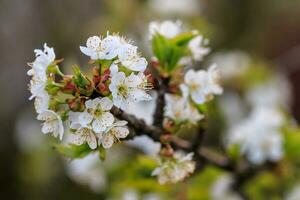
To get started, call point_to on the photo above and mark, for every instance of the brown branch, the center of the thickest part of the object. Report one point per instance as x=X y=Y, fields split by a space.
x=160 y=102
x=140 y=127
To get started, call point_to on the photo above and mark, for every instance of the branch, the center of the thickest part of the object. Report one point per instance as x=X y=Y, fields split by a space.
x=160 y=102
x=140 y=127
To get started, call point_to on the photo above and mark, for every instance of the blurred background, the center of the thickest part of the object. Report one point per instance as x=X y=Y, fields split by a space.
x=29 y=167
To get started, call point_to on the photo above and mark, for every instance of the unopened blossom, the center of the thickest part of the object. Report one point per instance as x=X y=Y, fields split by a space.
x=259 y=135
x=128 y=89
x=180 y=110
x=168 y=29
x=105 y=49
x=114 y=133
x=202 y=85
x=52 y=123
x=175 y=169
x=222 y=189
x=97 y=114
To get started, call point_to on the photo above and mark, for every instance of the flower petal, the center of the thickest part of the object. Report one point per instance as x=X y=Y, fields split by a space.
x=120 y=132
x=105 y=120
x=92 y=141
x=107 y=140
x=106 y=103
x=85 y=118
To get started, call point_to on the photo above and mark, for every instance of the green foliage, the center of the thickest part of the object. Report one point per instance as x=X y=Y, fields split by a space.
x=200 y=185
x=292 y=145
x=169 y=51
x=264 y=186
x=73 y=151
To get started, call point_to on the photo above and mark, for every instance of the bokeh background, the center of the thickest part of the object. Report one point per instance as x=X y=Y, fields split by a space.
x=268 y=29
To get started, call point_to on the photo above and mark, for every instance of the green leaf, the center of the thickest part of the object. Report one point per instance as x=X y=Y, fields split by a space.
x=160 y=47
x=183 y=38
x=170 y=51
x=73 y=151
x=292 y=145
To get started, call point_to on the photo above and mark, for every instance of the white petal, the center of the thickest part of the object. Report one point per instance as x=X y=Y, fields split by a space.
x=105 y=120
x=113 y=68
x=106 y=103
x=93 y=42
x=48 y=127
x=139 y=95
x=86 y=51
x=107 y=141
x=120 y=132
x=78 y=139
x=198 y=97
x=85 y=118
x=138 y=65
x=92 y=104
x=120 y=123
x=133 y=80
x=92 y=141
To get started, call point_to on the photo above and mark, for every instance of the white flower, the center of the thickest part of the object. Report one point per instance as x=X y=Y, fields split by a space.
x=202 y=85
x=42 y=61
x=113 y=133
x=179 y=109
x=129 y=57
x=175 y=169
x=222 y=190
x=97 y=114
x=259 y=136
x=196 y=46
x=128 y=89
x=167 y=28
x=83 y=130
x=275 y=92
x=105 y=49
x=85 y=134
x=39 y=77
x=41 y=102
x=171 y=7
x=52 y=123
x=233 y=64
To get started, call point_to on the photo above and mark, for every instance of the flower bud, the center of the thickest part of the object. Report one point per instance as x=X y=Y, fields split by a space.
x=166 y=151
x=69 y=86
x=76 y=104
x=169 y=125
x=102 y=82
x=84 y=85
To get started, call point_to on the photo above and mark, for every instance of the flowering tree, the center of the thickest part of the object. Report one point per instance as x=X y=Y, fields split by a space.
x=93 y=105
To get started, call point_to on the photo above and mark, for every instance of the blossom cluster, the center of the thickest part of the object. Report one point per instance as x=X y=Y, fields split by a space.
x=175 y=169
x=259 y=135
x=192 y=90
x=83 y=102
